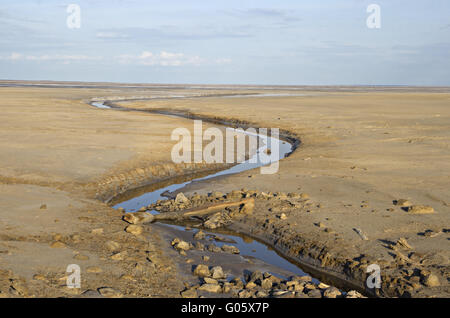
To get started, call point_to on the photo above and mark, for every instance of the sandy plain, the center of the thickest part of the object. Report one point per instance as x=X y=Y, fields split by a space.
x=361 y=149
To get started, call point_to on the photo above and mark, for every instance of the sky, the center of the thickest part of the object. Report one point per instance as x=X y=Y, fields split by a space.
x=277 y=42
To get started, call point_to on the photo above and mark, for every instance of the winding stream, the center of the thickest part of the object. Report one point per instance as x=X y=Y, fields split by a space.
x=249 y=247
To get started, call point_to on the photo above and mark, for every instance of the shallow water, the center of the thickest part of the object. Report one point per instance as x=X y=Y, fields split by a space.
x=248 y=246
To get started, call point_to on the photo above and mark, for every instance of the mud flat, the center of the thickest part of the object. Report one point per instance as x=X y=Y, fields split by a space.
x=361 y=151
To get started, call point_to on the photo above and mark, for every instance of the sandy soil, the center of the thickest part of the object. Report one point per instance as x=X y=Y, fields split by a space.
x=360 y=151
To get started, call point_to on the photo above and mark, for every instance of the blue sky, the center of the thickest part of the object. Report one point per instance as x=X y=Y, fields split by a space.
x=283 y=42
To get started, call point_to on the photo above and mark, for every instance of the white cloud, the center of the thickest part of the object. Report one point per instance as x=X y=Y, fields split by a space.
x=162 y=59
x=50 y=57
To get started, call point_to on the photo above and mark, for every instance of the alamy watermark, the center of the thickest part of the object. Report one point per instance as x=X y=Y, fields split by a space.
x=74 y=278
x=374 y=19
x=74 y=19
x=374 y=279
x=262 y=149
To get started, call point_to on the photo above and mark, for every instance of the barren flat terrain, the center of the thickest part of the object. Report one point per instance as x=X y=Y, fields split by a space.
x=362 y=150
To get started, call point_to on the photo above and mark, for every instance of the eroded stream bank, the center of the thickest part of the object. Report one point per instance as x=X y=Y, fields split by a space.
x=261 y=251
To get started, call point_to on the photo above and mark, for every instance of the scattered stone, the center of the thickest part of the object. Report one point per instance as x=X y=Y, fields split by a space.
x=209 y=280
x=58 y=244
x=109 y=292
x=81 y=257
x=314 y=293
x=354 y=294
x=283 y=216
x=39 y=277
x=200 y=235
x=202 y=271
x=247 y=208
x=431 y=280
x=97 y=231
x=182 y=246
x=401 y=242
x=361 y=234
x=181 y=199
x=211 y=288
x=127 y=277
x=134 y=229
x=112 y=246
x=250 y=285
x=230 y=249
x=138 y=217
x=205 y=258
x=189 y=293
x=331 y=292
x=94 y=269
x=43 y=207
x=217 y=273
x=304 y=196
x=402 y=203
x=266 y=283
x=420 y=209
x=119 y=256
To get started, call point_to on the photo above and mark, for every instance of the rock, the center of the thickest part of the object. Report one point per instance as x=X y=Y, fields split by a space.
x=256 y=276
x=39 y=277
x=266 y=283
x=127 y=277
x=302 y=278
x=189 y=293
x=261 y=294
x=314 y=293
x=431 y=280
x=94 y=269
x=43 y=207
x=134 y=229
x=181 y=199
x=214 y=221
x=112 y=246
x=109 y=292
x=206 y=258
x=361 y=234
x=182 y=246
x=209 y=280
x=237 y=282
x=250 y=285
x=402 y=203
x=401 y=242
x=217 y=272
x=121 y=210
x=283 y=216
x=58 y=244
x=202 y=271
x=214 y=248
x=235 y=194
x=244 y=294
x=216 y=195
x=76 y=238
x=247 y=208
x=97 y=231
x=142 y=209
x=230 y=249
x=354 y=294
x=331 y=292
x=200 y=235
x=81 y=257
x=119 y=256
x=420 y=209
x=138 y=217
x=211 y=288
x=304 y=196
